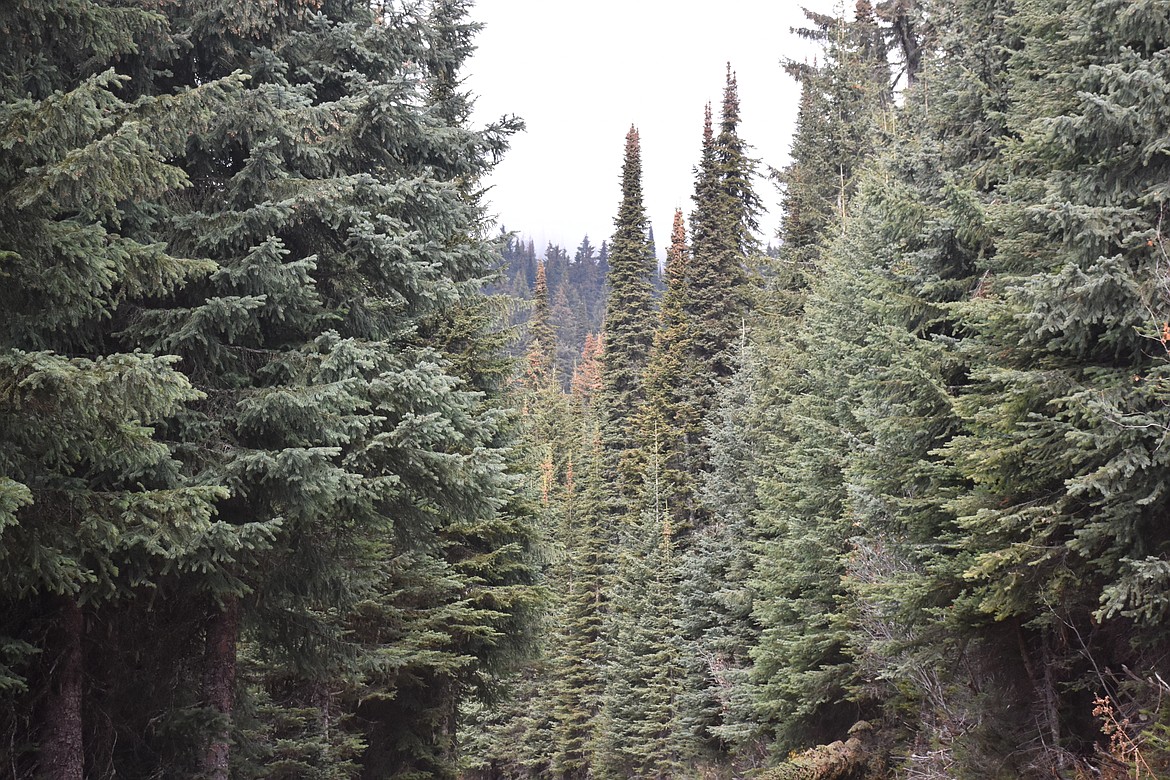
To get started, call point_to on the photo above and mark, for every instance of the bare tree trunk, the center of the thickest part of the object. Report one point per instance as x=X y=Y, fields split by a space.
x=219 y=683
x=1051 y=694
x=62 y=755
x=1044 y=684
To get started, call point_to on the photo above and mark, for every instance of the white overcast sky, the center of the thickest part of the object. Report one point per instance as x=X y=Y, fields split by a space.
x=580 y=74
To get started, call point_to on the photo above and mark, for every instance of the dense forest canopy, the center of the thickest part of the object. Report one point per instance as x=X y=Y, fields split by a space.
x=308 y=471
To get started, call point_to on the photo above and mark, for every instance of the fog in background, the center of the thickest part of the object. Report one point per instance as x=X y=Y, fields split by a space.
x=580 y=74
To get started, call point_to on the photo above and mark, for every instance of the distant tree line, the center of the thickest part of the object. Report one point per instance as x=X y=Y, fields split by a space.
x=574 y=288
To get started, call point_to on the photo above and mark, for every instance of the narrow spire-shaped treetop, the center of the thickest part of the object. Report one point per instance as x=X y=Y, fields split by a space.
x=730 y=118
x=629 y=313
x=676 y=256
x=676 y=381
x=736 y=169
x=703 y=227
x=723 y=226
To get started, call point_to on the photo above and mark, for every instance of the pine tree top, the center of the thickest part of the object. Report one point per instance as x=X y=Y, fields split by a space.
x=676 y=255
x=730 y=116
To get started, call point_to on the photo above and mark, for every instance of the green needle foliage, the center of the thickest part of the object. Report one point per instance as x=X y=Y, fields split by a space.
x=629 y=329
x=96 y=513
x=276 y=503
x=313 y=492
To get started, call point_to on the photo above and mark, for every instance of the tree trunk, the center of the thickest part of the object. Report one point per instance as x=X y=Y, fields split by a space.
x=1044 y=684
x=219 y=683
x=61 y=755
x=1051 y=695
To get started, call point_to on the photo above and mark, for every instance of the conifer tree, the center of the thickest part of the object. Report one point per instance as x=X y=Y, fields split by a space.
x=512 y=734
x=348 y=359
x=547 y=724
x=542 y=337
x=94 y=509
x=801 y=668
x=586 y=384
x=580 y=655
x=801 y=664
x=637 y=734
x=722 y=236
x=659 y=271
x=672 y=420
x=925 y=200
x=705 y=306
x=1062 y=529
x=629 y=326
x=718 y=703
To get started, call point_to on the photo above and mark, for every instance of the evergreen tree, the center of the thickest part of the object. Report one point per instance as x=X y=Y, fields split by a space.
x=722 y=237
x=348 y=359
x=802 y=665
x=925 y=200
x=835 y=130
x=629 y=329
x=659 y=270
x=802 y=670
x=542 y=338
x=1062 y=530
x=587 y=384
x=672 y=420
x=637 y=732
x=95 y=511
x=707 y=305
x=579 y=660
x=512 y=734
x=718 y=705
x=908 y=32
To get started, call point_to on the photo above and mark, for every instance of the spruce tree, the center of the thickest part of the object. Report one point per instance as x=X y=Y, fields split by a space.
x=722 y=236
x=671 y=424
x=542 y=347
x=637 y=734
x=718 y=705
x=586 y=384
x=353 y=388
x=926 y=200
x=580 y=654
x=802 y=670
x=95 y=511
x=629 y=327
x=1061 y=529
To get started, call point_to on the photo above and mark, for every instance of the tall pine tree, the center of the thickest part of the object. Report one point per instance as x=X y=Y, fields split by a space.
x=629 y=328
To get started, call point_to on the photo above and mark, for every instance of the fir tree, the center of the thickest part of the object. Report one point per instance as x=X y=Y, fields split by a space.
x=94 y=509
x=1062 y=522
x=579 y=660
x=629 y=329
x=672 y=421
x=353 y=390
x=718 y=704
x=542 y=338
x=925 y=199
x=722 y=237
x=802 y=670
